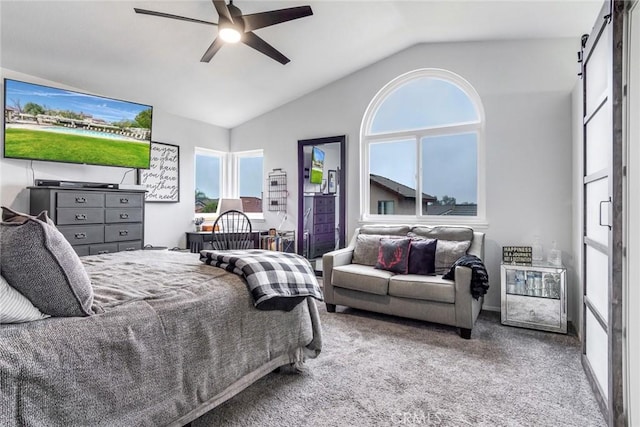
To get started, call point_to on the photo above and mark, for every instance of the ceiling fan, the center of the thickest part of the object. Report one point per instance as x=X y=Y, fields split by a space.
x=233 y=26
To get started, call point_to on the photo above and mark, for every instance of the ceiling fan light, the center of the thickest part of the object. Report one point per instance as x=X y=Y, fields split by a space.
x=230 y=34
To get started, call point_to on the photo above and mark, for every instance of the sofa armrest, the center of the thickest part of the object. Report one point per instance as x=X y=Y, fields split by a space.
x=329 y=261
x=467 y=307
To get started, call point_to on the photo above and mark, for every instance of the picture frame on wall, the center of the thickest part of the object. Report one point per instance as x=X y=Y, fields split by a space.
x=162 y=179
x=332 y=181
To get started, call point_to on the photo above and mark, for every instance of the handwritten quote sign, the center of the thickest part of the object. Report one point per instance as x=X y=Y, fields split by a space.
x=162 y=179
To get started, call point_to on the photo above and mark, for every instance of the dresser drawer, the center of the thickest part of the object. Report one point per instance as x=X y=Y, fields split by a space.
x=130 y=246
x=83 y=234
x=122 y=232
x=105 y=248
x=323 y=228
x=123 y=215
x=66 y=216
x=528 y=310
x=322 y=238
x=126 y=200
x=81 y=250
x=85 y=199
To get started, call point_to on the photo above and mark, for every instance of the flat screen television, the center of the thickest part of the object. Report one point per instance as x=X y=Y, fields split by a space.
x=317 y=166
x=60 y=125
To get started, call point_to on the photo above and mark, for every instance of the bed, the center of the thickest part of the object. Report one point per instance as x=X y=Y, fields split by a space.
x=174 y=338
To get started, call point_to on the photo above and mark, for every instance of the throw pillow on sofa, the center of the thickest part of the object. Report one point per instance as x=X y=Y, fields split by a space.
x=448 y=252
x=422 y=256
x=393 y=255
x=38 y=262
x=366 y=250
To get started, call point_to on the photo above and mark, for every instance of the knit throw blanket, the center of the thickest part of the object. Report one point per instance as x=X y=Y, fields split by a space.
x=479 y=275
x=276 y=280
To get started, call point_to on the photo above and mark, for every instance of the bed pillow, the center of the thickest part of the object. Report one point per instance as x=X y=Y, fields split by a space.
x=422 y=256
x=448 y=252
x=38 y=262
x=393 y=255
x=14 y=307
x=9 y=215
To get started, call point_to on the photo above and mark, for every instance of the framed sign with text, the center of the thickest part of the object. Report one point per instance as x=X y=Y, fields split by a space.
x=516 y=255
x=162 y=179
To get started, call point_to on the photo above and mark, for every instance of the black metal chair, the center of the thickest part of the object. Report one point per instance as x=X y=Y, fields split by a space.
x=232 y=230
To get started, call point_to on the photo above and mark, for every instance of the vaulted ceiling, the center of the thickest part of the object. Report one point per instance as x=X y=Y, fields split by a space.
x=105 y=48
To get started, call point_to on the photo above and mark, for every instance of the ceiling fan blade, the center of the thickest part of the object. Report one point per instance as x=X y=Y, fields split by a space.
x=168 y=15
x=222 y=9
x=255 y=21
x=252 y=40
x=213 y=49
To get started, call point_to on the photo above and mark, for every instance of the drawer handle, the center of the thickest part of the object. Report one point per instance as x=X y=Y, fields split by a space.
x=81 y=217
x=80 y=236
x=124 y=216
x=81 y=200
x=103 y=252
x=124 y=201
x=124 y=232
x=130 y=249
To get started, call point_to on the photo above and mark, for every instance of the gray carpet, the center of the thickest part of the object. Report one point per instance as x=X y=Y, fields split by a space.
x=377 y=370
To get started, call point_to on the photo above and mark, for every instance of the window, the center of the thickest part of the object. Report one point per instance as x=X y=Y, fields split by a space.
x=385 y=207
x=422 y=150
x=209 y=167
x=249 y=179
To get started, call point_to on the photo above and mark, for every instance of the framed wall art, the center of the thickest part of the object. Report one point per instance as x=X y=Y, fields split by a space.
x=162 y=179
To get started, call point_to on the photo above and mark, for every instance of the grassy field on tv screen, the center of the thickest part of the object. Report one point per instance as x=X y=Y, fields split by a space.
x=33 y=144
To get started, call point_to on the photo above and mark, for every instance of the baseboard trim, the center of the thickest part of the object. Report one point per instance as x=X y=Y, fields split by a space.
x=490 y=308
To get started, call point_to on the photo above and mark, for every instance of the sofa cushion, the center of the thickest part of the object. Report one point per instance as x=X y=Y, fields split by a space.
x=385 y=230
x=448 y=252
x=40 y=263
x=422 y=256
x=430 y=288
x=362 y=278
x=443 y=233
x=393 y=255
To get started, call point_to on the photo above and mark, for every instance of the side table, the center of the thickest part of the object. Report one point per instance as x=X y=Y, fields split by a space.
x=534 y=296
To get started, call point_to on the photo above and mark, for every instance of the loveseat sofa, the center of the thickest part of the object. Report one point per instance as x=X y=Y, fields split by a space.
x=351 y=278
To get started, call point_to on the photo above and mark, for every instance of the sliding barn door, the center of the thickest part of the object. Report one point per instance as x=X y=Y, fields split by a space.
x=602 y=211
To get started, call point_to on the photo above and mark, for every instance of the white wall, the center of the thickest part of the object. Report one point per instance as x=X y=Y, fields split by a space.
x=525 y=87
x=575 y=285
x=166 y=223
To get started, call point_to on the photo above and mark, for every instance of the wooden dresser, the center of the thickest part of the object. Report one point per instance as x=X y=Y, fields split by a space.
x=94 y=220
x=320 y=224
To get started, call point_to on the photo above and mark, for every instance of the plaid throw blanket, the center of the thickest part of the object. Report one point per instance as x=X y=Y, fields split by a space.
x=276 y=280
x=479 y=275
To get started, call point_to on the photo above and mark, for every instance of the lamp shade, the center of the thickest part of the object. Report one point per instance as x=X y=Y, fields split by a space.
x=225 y=205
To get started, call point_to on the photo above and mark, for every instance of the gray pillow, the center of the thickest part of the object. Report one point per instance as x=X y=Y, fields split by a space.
x=9 y=215
x=40 y=263
x=448 y=252
x=366 y=250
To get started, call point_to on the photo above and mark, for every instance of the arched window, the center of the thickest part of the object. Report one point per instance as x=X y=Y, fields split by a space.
x=422 y=150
